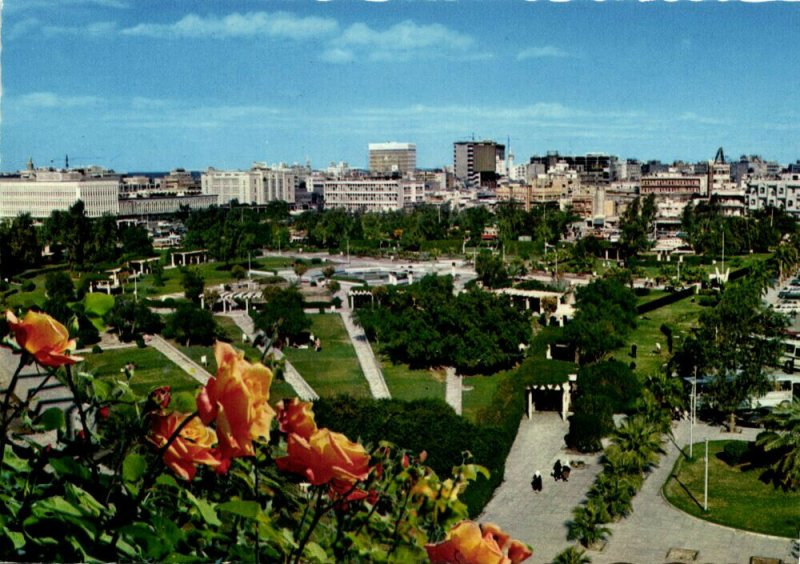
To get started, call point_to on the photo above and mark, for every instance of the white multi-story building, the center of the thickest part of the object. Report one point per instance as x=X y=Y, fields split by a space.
x=372 y=194
x=39 y=192
x=782 y=192
x=259 y=185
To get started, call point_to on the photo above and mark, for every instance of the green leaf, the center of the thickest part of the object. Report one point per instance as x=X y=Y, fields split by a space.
x=207 y=511
x=246 y=509
x=183 y=402
x=167 y=480
x=68 y=467
x=315 y=553
x=15 y=462
x=53 y=418
x=133 y=467
x=102 y=389
x=15 y=537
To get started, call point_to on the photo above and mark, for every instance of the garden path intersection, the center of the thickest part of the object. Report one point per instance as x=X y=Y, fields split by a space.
x=645 y=537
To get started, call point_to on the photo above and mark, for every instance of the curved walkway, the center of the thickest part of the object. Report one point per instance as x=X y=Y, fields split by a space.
x=181 y=360
x=646 y=536
x=655 y=526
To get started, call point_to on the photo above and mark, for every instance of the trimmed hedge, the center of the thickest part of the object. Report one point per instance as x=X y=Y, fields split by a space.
x=664 y=300
x=429 y=425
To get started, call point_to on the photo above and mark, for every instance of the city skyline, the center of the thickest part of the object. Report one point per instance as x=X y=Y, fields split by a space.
x=141 y=86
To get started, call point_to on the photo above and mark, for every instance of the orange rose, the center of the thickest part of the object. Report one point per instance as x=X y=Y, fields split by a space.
x=192 y=446
x=296 y=417
x=43 y=337
x=237 y=399
x=471 y=543
x=326 y=457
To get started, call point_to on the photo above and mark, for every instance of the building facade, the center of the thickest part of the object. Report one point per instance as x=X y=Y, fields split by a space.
x=40 y=192
x=372 y=194
x=477 y=163
x=782 y=192
x=388 y=158
x=259 y=185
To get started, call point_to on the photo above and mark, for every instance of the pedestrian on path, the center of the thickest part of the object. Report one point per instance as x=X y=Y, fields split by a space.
x=557 y=470
x=565 y=471
x=536 y=482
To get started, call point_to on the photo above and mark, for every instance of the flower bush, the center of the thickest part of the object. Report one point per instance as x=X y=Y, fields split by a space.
x=253 y=483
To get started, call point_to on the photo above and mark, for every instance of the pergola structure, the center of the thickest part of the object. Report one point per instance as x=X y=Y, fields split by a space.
x=183 y=258
x=143 y=266
x=547 y=395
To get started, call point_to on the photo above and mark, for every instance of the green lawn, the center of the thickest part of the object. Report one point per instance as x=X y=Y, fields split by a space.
x=680 y=316
x=479 y=391
x=152 y=369
x=333 y=370
x=408 y=384
x=736 y=497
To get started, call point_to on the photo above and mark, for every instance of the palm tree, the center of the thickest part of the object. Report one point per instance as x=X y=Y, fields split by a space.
x=616 y=493
x=637 y=444
x=783 y=437
x=666 y=395
x=586 y=525
x=572 y=555
x=786 y=257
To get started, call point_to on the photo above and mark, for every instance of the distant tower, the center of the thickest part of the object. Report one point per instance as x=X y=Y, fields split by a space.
x=66 y=162
x=30 y=163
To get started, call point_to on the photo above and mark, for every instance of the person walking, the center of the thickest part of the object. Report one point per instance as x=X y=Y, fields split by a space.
x=557 y=470
x=536 y=482
x=565 y=471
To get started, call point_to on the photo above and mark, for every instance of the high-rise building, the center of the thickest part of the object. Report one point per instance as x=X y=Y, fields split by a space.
x=388 y=158
x=476 y=163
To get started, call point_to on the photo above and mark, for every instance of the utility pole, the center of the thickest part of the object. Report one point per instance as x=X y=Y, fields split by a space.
x=705 y=487
x=692 y=408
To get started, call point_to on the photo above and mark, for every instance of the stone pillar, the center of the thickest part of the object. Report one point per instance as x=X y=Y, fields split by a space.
x=564 y=400
x=202 y=302
x=527 y=304
x=549 y=353
x=531 y=407
x=172 y=257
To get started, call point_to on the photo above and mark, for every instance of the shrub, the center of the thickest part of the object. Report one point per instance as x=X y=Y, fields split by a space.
x=28 y=286
x=140 y=342
x=735 y=452
x=585 y=432
x=97 y=349
x=613 y=380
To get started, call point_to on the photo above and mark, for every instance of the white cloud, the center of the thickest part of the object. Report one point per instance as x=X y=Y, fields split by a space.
x=403 y=41
x=253 y=24
x=92 y=29
x=541 y=52
x=23 y=27
x=41 y=100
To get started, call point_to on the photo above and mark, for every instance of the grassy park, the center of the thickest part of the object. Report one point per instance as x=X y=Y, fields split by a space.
x=736 y=495
x=680 y=316
x=152 y=369
x=334 y=369
x=408 y=384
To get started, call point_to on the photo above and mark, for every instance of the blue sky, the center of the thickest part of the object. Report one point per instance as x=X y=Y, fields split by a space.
x=153 y=85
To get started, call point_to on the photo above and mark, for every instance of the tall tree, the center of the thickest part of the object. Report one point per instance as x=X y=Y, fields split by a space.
x=283 y=314
x=782 y=441
x=193 y=284
x=636 y=225
x=735 y=344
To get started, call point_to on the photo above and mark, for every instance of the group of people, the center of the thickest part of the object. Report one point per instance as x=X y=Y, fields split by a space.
x=560 y=472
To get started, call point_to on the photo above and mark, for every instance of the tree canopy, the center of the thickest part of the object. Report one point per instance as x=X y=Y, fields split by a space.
x=606 y=313
x=425 y=324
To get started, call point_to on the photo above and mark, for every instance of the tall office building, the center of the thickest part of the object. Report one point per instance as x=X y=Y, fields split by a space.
x=259 y=185
x=388 y=158
x=476 y=162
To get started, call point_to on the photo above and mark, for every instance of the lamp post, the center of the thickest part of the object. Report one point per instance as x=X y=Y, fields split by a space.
x=705 y=481
x=693 y=408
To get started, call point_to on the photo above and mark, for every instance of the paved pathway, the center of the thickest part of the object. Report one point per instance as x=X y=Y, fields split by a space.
x=181 y=360
x=453 y=389
x=645 y=537
x=366 y=357
x=539 y=519
x=655 y=526
x=302 y=388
